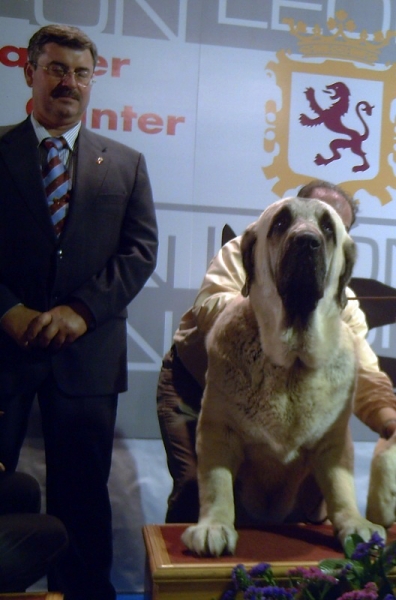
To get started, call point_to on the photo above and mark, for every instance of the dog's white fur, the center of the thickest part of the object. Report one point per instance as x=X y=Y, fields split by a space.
x=381 y=500
x=280 y=381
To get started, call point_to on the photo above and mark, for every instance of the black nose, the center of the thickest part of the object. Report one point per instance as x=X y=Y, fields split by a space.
x=307 y=241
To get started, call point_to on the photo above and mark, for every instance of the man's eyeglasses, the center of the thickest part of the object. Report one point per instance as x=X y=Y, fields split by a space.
x=83 y=77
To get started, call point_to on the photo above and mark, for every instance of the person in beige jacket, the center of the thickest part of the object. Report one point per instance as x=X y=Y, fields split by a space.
x=182 y=375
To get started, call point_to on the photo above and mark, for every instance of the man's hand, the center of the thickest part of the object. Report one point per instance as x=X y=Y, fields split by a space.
x=16 y=321
x=389 y=429
x=56 y=328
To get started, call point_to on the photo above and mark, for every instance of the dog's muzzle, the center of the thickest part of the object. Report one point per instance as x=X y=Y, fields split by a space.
x=301 y=274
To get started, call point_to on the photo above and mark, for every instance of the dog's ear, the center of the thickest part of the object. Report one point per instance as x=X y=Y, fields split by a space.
x=350 y=253
x=248 y=243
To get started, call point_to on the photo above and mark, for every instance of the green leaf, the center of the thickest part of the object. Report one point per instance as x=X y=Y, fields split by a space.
x=350 y=544
x=331 y=566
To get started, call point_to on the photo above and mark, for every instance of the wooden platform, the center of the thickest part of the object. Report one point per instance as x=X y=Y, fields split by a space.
x=174 y=573
x=32 y=596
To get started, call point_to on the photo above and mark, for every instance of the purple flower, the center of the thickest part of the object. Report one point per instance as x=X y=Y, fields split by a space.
x=260 y=570
x=365 y=549
x=270 y=592
x=312 y=574
x=377 y=540
x=241 y=578
x=361 y=551
x=229 y=595
x=346 y=569
x=369 y=592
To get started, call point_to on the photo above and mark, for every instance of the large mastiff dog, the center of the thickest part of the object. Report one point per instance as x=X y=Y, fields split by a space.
x=280 y=383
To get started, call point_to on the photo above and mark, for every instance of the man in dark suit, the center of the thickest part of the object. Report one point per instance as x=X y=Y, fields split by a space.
x=65 y=283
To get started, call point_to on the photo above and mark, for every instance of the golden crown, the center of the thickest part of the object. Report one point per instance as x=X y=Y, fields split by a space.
x=339 y=44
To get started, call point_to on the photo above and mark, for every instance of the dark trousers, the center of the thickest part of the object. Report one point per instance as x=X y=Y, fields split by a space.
x=78 y=437
x=29 y=542
x=178 y=398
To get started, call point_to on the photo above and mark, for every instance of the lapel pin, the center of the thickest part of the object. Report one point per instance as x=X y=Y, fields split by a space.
x=99 y=160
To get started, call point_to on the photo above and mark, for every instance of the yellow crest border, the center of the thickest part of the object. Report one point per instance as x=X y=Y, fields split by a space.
x=277 y=123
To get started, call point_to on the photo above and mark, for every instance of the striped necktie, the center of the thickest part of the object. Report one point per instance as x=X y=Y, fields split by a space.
x=56 y=182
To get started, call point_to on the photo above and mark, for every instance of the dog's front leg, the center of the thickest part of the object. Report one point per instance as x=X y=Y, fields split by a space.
x=381 y=500
x=219 y=456
x=334 y=473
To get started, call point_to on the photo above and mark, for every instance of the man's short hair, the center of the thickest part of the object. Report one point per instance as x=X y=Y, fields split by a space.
x=307 y=192
x=63 y=35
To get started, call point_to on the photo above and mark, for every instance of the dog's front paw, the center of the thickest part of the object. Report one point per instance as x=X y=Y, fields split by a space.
x=362 y=527
x=213 y=539
x=381 y=500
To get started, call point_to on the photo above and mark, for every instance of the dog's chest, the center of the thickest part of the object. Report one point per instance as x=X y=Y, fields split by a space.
x=292 y=407
x=286 y=408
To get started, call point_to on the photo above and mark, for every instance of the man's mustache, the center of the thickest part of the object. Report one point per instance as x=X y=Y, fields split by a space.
x=65 y=92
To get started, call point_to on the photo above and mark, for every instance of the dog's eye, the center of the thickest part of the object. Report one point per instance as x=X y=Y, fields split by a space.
x=281 y=222
x=327 y=225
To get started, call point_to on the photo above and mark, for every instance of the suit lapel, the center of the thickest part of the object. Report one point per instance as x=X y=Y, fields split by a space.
x=91 y=170
x=18 y=149
x=92 y=166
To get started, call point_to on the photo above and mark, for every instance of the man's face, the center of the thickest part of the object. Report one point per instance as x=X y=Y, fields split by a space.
x=59 y=104
x=337 y=201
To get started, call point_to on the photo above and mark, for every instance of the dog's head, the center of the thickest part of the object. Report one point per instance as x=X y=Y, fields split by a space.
x=300 y=247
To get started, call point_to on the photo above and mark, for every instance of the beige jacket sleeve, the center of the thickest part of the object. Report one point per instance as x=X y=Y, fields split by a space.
x=223 y=281
x=375 y=401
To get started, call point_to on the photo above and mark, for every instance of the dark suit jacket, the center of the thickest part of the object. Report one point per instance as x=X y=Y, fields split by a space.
x=104 y=256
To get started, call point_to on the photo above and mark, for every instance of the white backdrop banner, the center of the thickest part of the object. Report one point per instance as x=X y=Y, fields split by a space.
x=234 y=104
